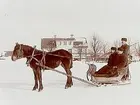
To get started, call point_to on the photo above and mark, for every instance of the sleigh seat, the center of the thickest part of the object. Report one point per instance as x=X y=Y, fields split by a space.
x=113 y=79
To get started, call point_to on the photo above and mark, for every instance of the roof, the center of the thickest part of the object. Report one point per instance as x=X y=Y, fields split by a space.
x=48 y=43
x=77 y=43
x=58 y=39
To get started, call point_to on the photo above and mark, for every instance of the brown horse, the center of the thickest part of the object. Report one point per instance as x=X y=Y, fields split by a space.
x=37 y=58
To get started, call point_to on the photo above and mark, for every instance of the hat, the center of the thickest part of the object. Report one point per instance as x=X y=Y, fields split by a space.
x=113 y=48
x=120 y=49
x=124 y=39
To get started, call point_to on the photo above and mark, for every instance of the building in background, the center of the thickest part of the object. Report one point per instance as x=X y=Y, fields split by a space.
x=48 y=44
x=8 y=53
x=51 y=44
x=76 y=46
x=79 y=50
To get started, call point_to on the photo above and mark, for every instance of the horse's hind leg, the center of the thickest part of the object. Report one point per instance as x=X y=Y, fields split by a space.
x=36 y=80
x=69 y=82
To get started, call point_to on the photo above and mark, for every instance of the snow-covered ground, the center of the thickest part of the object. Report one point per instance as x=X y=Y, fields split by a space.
x=16 y=83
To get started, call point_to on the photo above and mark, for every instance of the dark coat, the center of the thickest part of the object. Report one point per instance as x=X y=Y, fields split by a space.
x=111 y=60
x=121 y=61
x=110 y=64
x=126 y=49
x=118 y=60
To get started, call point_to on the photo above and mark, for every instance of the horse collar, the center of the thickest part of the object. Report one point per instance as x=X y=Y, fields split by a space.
x=32 y=57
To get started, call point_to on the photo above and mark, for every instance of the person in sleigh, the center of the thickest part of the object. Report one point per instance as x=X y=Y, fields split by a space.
x=110 y=63
x=117 y=61
x=126 y=51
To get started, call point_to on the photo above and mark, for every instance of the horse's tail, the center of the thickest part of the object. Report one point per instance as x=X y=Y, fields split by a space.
x=71 y=63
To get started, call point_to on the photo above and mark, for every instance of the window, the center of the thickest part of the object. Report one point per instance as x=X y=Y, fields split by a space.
x=65 y=42
x=70 y=43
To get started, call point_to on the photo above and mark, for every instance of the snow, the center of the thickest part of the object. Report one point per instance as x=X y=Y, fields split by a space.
x=16 y=83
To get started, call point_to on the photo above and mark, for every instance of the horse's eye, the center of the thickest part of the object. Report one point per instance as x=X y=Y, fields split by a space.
x=16 y=48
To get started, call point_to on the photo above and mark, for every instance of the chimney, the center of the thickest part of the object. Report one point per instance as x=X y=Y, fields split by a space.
x=54 y=36
x=71 y=35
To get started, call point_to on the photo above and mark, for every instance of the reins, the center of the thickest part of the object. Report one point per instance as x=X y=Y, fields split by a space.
x=43 y=56
x=32 y=57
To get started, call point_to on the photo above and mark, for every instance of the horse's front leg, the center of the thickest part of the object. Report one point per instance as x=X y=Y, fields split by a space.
x=40 y=79
x=36 y=80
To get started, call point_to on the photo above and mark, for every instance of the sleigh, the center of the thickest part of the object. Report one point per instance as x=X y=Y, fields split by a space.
x=101 y=79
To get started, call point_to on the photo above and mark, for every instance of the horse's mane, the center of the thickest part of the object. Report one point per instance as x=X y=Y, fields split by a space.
x=32 y=48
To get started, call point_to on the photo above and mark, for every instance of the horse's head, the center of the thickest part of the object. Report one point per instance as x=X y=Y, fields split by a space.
x=18 y=52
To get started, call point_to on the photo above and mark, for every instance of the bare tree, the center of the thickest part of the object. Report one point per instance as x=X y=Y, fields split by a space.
x=117 y=43
x=137 y=50
x=106 y=47
x=129 y=41
x=96 y=45
x=132 y=45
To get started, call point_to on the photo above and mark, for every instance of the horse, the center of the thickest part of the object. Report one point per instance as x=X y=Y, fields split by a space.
x=36 y=58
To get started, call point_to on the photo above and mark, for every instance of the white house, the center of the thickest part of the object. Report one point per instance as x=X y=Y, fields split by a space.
x=77 y=47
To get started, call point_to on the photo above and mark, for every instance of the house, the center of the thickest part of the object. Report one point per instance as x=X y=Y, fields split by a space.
x=79 y=50
x=8 y=53
x=77 y=47
x=48 y=44
x=51 y=44
x=65 y=43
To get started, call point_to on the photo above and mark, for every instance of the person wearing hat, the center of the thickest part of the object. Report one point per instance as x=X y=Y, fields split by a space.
x=126 y=51
x=105 y=70
x=121 y=63
x=121 y=59
x=111 y=59
x=125 y=46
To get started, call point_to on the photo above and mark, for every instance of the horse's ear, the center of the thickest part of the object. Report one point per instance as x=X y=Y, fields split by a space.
x=34 y=46
x=17 y=43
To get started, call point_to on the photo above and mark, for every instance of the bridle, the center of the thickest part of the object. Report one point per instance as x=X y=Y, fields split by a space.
x=20 y=52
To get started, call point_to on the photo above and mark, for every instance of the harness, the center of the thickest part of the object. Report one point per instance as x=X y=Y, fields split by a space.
x=41 y=62
x=32 y=57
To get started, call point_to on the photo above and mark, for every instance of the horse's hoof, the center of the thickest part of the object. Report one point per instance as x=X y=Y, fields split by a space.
x=72 y=84
x=68 y=85
x=40 y=89
x=34 y=88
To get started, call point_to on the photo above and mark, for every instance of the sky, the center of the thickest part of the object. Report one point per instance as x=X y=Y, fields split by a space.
x=27 y=21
